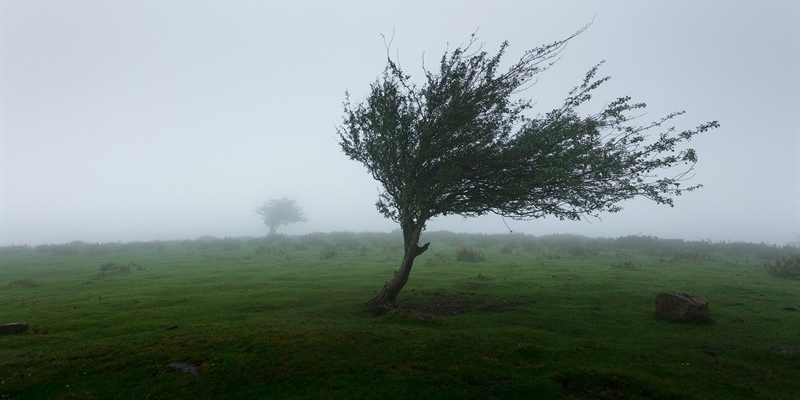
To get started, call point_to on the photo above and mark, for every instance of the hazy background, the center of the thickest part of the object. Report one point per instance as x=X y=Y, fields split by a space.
x=143 y=120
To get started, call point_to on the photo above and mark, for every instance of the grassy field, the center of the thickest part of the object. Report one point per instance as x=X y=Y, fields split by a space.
x=483 y=317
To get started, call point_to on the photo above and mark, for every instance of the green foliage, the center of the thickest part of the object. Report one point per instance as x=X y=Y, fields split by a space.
x=626 y=264
x=459 y=144
x=787 y=268
x=64 y=249
x=328 y=252
x=508 y=248
x=277 y=212
x=113 y=266
x=676 y=250
x=14 y=249
x=468 y=254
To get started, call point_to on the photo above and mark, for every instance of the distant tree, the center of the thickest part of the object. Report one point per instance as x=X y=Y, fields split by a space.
x=277 y=212
x=461 y=143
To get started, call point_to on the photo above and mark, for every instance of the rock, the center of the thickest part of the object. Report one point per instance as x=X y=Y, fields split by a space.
x=684 y=307
x=12 y=328
x=785 y=350
x=184 y=367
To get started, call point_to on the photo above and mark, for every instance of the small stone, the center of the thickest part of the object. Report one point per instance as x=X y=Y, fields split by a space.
x=184 y=367
x=13 y=328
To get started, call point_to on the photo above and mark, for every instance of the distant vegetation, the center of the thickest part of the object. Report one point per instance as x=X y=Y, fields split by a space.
x=277 y=212
x=469 y=255
x=787 y=267
x=355 y=242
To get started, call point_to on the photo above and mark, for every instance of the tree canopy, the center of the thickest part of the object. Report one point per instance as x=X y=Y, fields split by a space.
x=464 y=143
x=277 y=212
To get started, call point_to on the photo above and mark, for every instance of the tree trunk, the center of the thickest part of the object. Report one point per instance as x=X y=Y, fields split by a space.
x=385 y=300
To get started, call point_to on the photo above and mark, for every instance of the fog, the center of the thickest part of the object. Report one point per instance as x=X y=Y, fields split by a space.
x=153 y=120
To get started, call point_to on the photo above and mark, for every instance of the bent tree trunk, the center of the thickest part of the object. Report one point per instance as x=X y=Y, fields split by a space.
x=386 y=298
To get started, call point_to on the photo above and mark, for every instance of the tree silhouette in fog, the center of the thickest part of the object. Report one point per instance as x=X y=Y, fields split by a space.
x=277 y=212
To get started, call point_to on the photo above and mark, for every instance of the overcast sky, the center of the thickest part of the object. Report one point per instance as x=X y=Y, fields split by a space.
x=152 y=119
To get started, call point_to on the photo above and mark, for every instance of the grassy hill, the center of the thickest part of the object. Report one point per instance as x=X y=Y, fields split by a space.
x=483 y=317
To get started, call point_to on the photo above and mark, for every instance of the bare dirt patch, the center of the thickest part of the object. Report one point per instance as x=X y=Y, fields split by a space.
x=441 y=303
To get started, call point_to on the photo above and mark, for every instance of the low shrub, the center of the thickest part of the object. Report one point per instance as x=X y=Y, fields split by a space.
x=14 y=249
x=469 y=255
x=508 y=248
x=66 y=249
x=328 y=252
x=626 y=264
x=112 y=266
x=786 y=268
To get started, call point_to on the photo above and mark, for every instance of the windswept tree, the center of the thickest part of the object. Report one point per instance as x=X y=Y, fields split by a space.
x=462 y=143
x=277 y=212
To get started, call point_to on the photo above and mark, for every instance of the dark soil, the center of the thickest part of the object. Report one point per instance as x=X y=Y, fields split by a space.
x=444 y=304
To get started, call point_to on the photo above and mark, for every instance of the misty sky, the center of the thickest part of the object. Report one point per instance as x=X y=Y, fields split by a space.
x=152 y=119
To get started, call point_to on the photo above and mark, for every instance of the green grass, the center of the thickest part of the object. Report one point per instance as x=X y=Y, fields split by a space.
x=552 y=317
